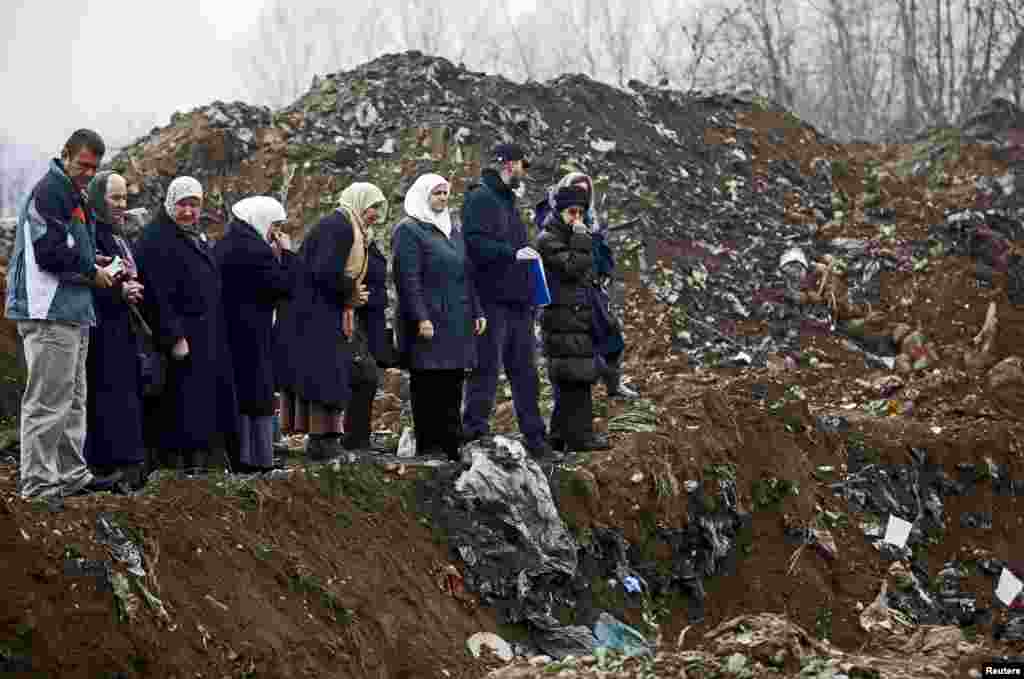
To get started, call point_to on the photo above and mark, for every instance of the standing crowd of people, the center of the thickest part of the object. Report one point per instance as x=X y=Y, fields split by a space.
x=172 y=350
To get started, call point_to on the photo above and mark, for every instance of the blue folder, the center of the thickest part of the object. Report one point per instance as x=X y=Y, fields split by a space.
x=541 y=293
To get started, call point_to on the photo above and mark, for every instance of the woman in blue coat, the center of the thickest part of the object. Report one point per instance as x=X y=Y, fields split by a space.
x=438 y=315
x=258 y=271
x=313 y=351
x=197 y=410
x=114 y=405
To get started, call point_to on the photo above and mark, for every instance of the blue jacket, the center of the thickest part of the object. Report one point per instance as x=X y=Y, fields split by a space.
x=434 y=282
x=54 y=259
x=494 y=231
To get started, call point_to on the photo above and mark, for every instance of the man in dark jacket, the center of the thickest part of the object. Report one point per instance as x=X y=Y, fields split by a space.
x=496 y=241
x=52 y=271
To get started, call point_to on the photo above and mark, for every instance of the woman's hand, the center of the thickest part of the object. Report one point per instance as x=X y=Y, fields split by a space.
x=180 y=349
x=426 y=329
x=363 y=295
x=131 y=291
x=480 y=326
x=348 y=321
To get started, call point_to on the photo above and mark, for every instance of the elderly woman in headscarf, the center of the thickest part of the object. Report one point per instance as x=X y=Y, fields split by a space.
x=197 y=410
x=258 y=271
x=438 y=315
x=114 y=404
x=313 y=352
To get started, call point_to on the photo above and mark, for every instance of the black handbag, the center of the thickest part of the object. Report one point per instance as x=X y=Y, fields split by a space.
x=364 y=366
x=152 y=361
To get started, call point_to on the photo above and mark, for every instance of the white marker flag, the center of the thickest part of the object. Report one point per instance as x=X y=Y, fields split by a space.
x=897 y=532
x=1009 y=587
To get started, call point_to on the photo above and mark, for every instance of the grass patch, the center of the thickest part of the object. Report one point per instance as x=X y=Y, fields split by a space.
x=823 y=623
x=309 y=585
x=364 y=485
x=770 y=492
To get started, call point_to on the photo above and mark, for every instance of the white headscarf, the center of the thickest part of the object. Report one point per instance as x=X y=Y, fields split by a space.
x=417 y=203
x=181 y=188
x=260 y=212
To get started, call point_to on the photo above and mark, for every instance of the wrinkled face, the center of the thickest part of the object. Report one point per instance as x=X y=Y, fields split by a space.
x=82 y=167
x=582 y=184
x=572 y=215
x=439 y=198
x=116 y=198
x=372 y=213
x=515 y=168
x=186 y=211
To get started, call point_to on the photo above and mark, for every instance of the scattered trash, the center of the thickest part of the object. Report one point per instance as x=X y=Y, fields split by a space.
x=407 y=443
x=499 y=646
x=631 y=584
x=121 y=547
x=1009 y=587
x=897 y=531
x=613 y=635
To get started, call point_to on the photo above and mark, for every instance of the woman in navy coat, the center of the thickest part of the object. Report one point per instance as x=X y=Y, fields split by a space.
x=312 y=349
x=438 y=315
x=258 y=270
x=114 y=406
x=197 y=409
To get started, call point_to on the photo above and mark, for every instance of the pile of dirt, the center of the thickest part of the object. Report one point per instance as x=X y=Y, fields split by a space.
x=325 y=575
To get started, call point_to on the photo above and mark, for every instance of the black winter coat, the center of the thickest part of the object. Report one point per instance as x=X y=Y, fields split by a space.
x=254 y=282
x=182 y=298
x=372 y=315
x=566 y=322
x=435 y=282
x=311 y=357
x=494 y=233
x=114 y=424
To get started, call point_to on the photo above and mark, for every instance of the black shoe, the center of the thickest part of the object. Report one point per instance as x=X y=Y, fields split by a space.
x=543 y=452
x=592 y=442
x=557 y=443
x=98 y=484
x=323 y=448
x=469 y=436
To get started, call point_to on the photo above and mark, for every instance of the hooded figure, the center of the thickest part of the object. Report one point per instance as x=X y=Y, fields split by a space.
x=609 y=342
x=257 y=275
x=114 y=406
x=183 y=301
x=566 y=249
x=438 y=315
x=312 y=350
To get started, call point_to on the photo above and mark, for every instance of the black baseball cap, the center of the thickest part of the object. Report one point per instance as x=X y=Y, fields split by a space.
x=506 y=152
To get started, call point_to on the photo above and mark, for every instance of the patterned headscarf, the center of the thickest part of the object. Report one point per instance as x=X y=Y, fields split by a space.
x=417 y=203
x=181 y=188
x=356 y=199
x=260 y=212
x=96 y=193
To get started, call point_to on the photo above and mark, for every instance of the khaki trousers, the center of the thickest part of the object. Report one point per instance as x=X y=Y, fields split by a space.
x=53 y=409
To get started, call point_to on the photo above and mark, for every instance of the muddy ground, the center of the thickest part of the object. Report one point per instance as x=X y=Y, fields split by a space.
x=339 y=575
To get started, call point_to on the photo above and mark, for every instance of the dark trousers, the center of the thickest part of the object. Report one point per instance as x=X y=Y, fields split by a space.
x=572 y=419
x=359 y=414
x=436 y=397
x=510 y=342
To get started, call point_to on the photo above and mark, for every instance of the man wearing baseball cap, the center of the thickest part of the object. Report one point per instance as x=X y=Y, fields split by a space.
x=496 y=241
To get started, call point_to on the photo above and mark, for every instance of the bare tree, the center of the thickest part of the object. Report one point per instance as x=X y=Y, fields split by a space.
x=280 y=59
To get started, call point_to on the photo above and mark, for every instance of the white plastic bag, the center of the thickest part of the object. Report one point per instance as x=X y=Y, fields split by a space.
x=407 y=443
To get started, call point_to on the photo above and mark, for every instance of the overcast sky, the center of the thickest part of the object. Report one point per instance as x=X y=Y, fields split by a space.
x=100 y=64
